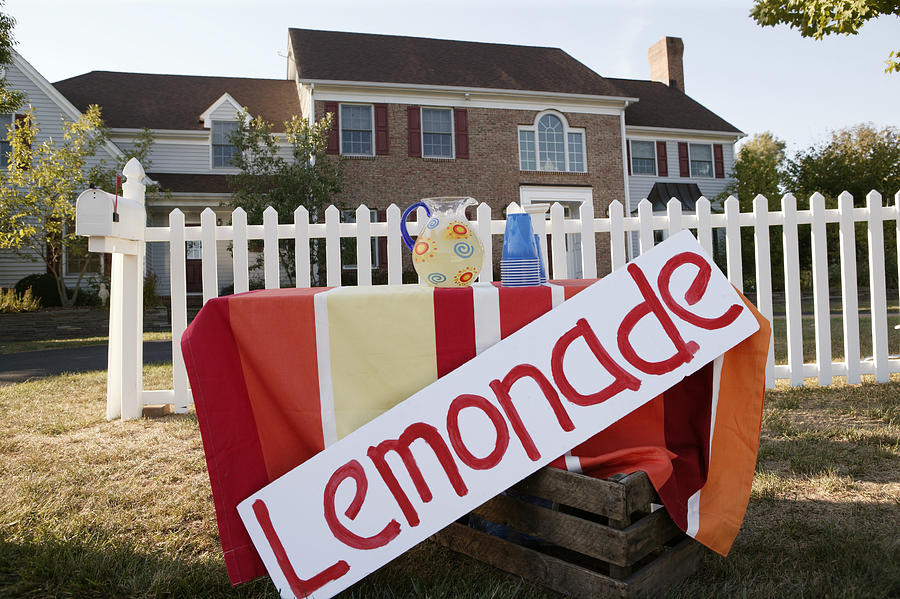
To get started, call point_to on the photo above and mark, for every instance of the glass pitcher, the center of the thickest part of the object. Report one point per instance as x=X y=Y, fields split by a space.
x=447 y=252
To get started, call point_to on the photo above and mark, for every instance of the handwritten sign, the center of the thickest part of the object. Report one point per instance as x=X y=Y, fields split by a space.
x=498 y=418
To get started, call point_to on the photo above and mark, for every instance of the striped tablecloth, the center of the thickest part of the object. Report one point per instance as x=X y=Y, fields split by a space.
x=278 y=375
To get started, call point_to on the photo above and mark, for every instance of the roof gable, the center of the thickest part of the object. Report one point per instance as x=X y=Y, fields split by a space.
x=225 y=99
x=339 y=56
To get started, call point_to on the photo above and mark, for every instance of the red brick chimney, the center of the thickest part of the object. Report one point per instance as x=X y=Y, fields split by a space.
x=666 y=64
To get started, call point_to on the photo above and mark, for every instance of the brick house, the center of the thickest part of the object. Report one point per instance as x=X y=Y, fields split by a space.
x=419 y=117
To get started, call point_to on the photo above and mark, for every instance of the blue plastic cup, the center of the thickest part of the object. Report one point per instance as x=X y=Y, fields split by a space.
x=518 y=238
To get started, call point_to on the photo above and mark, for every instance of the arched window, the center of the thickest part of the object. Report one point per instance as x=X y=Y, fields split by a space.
x=550 y=145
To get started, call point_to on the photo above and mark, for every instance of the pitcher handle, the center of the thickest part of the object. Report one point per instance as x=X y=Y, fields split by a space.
x=407 y=240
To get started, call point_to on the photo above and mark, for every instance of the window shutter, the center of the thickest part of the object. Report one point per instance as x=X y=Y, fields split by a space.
x=684 y=163
x=334 y=140
x=662 y=166
x=461 y=127
x=718 y=161
x=628 y=152
x=381 y=129
x=414 y=131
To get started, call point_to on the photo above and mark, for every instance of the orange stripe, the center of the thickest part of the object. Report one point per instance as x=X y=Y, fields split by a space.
x=275 y=337
x=724 y=497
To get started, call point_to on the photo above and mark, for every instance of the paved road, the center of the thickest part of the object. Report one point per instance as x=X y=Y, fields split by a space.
x=15 y=368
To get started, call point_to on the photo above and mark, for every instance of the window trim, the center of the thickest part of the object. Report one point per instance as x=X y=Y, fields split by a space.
x=452 y=132
x=341 y=128
x=537 y=145
x=712 y=161
x=634 y=173
x=212 y=160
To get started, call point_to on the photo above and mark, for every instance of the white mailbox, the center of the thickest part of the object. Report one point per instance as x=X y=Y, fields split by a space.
x=101 y=214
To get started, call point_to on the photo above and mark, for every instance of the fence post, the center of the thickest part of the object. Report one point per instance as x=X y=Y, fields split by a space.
x=178 y=299
x=877 y=294
x=762 y=243
x=127 y=318
x=822 y=310
x=849 y=292
x=793 y=312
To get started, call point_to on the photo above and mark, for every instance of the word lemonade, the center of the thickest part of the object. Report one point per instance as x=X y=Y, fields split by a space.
x=490 y=423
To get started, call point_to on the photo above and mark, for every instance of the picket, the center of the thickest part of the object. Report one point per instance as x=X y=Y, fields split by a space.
x=209 y=260
x=792 y=289
x=877 y=293
x=761 y=242
x=307 y=232
x=849 y=298
x=821 y=308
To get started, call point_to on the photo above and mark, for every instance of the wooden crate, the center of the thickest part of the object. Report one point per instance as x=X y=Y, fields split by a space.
x=598 y=538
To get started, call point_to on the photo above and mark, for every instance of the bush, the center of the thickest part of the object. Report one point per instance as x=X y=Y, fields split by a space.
x=151 y=297
x=43 y=287
x=254 y=284
x=10 y=301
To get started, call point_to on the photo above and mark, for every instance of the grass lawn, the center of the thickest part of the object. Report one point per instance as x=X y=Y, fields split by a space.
x=90 y=508
x=13 y=347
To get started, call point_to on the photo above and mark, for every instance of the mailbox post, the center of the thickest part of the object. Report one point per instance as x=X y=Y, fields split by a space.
x=116 y=225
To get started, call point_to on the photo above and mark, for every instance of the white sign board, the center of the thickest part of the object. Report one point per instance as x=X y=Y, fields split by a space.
x=498 y=418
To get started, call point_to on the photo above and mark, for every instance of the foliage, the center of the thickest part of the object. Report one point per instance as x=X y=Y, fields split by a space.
x=10 y=99
x=818 y=18
x=309 y=178
x=42 y=286
x=11 y=301
x=39 y=187
x=151 y=297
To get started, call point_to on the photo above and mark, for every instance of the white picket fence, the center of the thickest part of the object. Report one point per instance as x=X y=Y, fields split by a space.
x=616 y=228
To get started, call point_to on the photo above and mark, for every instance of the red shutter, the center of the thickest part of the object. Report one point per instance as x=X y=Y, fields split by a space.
x=718 y=161
x=381 y=129
x=334 y=140
x=662 y=166
x=414 y=131
x=628 y=152
x=461 y=126
x=684 y=163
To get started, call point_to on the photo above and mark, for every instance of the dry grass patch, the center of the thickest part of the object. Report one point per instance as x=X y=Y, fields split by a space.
x=90 y=508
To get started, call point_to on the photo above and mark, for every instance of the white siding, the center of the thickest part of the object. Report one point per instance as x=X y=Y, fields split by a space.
x=225 y=112
x=187 y=157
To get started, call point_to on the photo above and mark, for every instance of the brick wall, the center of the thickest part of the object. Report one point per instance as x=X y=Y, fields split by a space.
x=491 y=173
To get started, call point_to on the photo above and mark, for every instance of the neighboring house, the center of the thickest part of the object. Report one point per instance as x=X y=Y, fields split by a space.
x=50 y=109
x=420 y=117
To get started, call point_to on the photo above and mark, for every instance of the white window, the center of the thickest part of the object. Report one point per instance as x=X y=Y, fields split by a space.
x=357 y=130
x=643 y=158
x=550 y=145
x=701 y=157
x=437 y=133
x=222 y=149
x=348 y=244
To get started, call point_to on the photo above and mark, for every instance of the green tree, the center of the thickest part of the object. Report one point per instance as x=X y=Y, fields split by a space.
x=818 y=18
x=10 y=99
x=39 y=187
x=309 y=178
x=758 y=171
x=857 y=159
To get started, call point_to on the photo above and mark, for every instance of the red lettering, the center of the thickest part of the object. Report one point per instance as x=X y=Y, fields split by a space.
x=684 y=352
x=430 y=435
x=622 y=379
x=300 y=587
x=496 y=418
x=354 y=470
x=694 y=293
x=501 y=390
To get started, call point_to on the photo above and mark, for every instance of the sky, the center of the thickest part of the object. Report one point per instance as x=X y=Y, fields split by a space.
x=758 y=79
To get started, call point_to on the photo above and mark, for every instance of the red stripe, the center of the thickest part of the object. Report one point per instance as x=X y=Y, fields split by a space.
x=454 y=328
x=688 y=409
x=234 y=456
x=521 y=305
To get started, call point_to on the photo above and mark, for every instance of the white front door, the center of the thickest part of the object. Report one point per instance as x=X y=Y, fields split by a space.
x=571 y=199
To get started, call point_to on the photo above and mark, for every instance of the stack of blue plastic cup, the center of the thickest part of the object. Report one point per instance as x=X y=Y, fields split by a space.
x=520 y=264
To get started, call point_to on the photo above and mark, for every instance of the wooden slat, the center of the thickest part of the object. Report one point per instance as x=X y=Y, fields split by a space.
x=363 y=245
x=660 y=575
x=178 y=293
x=733 y=243
x=302 y=276
x=551 y=572
x=792 y=290
x=558 y=240
x=588 y=241
x=877 y=292
x=617 y=239
x=762 y=242
x=704 y=226
x=822 y=310
x=270 y=248
x=483 y=228
x=849 y=298
x=239 y=256
x=208 y=260
x=645 y=216
x=601 y=497
x=394 y=249
x=332 y=247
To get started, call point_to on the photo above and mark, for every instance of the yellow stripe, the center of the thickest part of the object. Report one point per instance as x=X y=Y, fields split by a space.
x=382 y=349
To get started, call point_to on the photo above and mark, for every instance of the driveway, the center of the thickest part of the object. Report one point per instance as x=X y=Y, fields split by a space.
x=15 y=368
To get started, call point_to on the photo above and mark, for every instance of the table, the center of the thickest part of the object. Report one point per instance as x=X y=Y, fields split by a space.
x=278 y=375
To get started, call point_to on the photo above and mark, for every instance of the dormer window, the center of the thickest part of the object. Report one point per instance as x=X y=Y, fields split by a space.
x=551 y=145
x=223 y=151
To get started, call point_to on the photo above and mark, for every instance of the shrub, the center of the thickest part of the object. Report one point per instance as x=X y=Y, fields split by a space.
x=42 y=286
x=151 y=297
x=10 y=301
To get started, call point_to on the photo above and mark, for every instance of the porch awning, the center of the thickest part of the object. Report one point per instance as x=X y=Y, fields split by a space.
x=686 y=193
